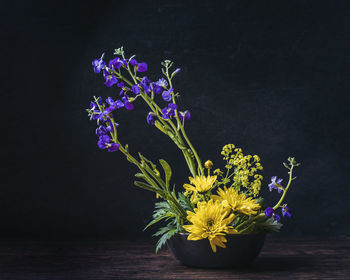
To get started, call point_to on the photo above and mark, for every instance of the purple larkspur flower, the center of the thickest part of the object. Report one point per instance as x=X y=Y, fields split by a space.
x=185 y=115
x=133 y=62
x=101 y=130
x=136 y=89
x=104 y=143
x=128 y=105
x=286 y=211
x=142 y=67
x=110 y=127
x=269 y=212
x=145 y=84
x=162 y=83
x=113 y=105
x=156 y=88
x=276 y=184
x=120 y=84
x=166 y=95
x=115 y=63
x=98 y=64
x=110 y=79
x=150 y=118
x=169 y=111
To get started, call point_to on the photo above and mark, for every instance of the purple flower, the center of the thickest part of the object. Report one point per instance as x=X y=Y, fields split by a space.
x=104 y=143
x=276 y=184
x=145 y=84
x=162 y=83
x=98 y=64
x=150 y=118
x=101 y=130
x=128 y=105
x=133 y=62
x=136 y=89
x=115 y=63
x=185 y=115
x=269 y=212
x=142 y=67
x=156 y=88
x=286 y=211
x=120 y=84
x=110 y=79
x=110 y=127
x=113 y=105
x=166 y=95
x=169 y=111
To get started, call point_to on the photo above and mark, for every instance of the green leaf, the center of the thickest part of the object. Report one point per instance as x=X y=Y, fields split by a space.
x=269 y=225
x=167 y=233
x=167 y=171
x=145 y=186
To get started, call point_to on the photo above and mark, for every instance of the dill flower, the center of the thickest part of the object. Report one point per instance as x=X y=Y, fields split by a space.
x=201 y=184
x=237 y=202
x=210 y=220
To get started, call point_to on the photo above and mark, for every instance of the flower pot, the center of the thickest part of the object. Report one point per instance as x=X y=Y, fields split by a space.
x=241 y=250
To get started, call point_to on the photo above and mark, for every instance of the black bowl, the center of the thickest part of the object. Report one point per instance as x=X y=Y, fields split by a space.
x=241 y=250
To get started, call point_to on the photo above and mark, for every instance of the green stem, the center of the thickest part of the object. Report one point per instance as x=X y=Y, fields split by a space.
x=286 y=189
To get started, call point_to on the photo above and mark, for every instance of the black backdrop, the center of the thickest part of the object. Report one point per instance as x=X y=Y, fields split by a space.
x=268 y=76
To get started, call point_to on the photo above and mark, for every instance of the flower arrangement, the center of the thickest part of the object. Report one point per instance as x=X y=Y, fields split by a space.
x=214 y=203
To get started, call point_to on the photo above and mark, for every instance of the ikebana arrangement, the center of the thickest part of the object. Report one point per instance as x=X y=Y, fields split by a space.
x=214 y=203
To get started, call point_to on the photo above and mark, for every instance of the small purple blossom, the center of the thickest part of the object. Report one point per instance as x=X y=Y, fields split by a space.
x=276 y=184
x=145 y=84
x=175 y=72
x=113 y=105
x=286 y=211
x=136 y=89
x=104 y=143
x=156 y=88
x=101 y=130
x=128 y=105
x=110 y=79
x=98 y=64
x=142 y=67
x=269 y=212
x=133 y=62
x=185 y=115
x=150 y=118
x=169 y=111
x=120 y=84
x=166 y=95
x=115 y=63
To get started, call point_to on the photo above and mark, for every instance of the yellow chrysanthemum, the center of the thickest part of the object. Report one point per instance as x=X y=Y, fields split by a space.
x=237 y=202
x=201 y=184
x=210 y=220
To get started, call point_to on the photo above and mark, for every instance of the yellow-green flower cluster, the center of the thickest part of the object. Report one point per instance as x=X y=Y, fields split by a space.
x=244 y=172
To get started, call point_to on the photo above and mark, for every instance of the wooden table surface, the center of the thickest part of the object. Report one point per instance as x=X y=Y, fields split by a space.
x=279 y=259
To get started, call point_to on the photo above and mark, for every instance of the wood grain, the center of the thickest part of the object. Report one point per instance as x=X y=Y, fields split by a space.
x=86 y=259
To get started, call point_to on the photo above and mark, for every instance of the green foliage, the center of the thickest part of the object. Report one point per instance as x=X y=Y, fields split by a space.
x=167 y=171
x=268 y=225
x=165 y=233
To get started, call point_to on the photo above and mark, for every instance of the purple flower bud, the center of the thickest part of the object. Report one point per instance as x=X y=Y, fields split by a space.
x=185 y=115
x=150 y=118
x=120 y=84
x=103 y=141
x=156 y=88
x=101 y=130
x=128 y=105
x=142 y=67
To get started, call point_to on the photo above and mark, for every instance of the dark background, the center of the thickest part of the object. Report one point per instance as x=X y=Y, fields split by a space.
x=269 y=76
